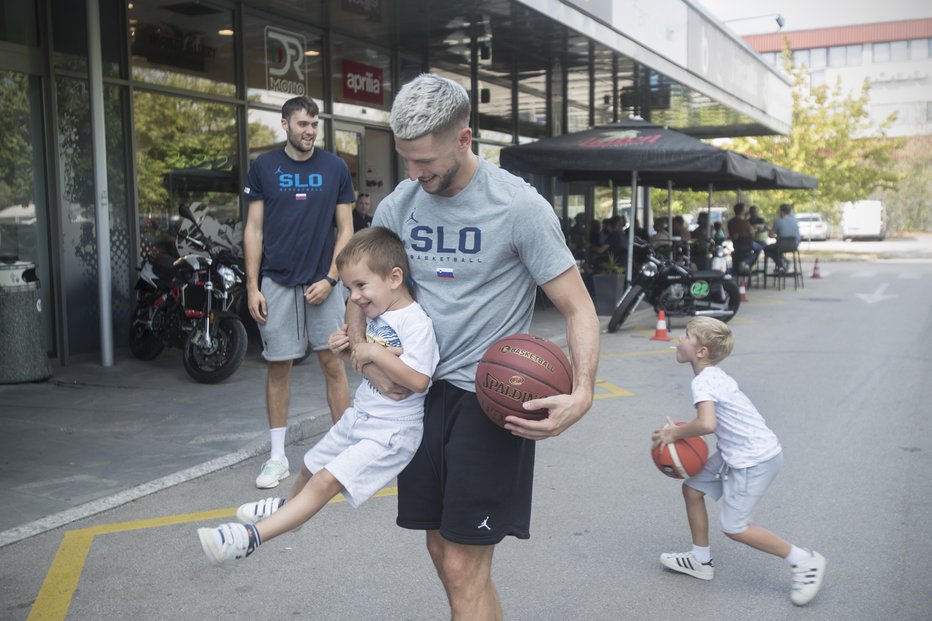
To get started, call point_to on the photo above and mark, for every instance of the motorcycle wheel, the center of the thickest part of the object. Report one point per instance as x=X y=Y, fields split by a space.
x=624 y=309
x=734 y=298
x=142 y=343
x=209 y=366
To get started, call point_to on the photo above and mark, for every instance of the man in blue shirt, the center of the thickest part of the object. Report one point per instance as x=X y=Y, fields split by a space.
x=300 y=217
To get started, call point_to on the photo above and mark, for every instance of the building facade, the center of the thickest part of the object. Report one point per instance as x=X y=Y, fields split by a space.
x=894 y=57
x=191 y=92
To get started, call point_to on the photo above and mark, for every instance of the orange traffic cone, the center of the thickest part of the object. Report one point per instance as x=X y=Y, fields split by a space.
x=815 y=269
x=660 y=334
x=742 y=291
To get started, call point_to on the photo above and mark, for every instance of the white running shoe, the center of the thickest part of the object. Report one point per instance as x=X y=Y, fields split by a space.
x=807 y=579
x=252 y=512
x=272 y=472
x=686 y=563
x=225 y=543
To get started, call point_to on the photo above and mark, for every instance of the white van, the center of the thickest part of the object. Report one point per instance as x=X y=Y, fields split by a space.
x=863 y=219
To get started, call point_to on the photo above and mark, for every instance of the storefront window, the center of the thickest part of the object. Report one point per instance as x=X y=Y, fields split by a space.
x=184 y=45
x=366 y=19
x=70 y=43
x=18 y=24
x=78 y=215
x=282 y=62
x=362 y=81
x=532 y=106
x=494 y=104
x=185 y=154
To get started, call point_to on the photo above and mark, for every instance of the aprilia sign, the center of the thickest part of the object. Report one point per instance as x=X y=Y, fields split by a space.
x=362 y=83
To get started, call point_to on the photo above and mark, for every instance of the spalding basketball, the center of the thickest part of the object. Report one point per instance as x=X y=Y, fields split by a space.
x=681 y=459
x=519 y=368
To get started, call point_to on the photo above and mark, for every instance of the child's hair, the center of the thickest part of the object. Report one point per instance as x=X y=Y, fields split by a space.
x=381 y=249
x=714 y=335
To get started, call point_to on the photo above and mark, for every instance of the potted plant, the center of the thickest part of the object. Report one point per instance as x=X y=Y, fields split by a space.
x=608 y=285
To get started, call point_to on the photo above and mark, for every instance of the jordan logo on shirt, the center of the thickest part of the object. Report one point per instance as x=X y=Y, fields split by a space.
x=411 y=217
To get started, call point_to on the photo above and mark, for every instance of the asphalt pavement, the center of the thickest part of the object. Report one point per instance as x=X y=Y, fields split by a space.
x=839 y=369
x=92 y=438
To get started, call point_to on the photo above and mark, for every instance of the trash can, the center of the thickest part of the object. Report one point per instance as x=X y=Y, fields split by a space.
x=22 y=355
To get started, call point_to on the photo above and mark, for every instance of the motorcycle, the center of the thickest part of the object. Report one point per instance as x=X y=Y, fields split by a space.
x=192 y=303
x=676 y=289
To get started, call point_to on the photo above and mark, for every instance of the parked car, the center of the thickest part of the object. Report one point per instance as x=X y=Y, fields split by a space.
x=812 y=226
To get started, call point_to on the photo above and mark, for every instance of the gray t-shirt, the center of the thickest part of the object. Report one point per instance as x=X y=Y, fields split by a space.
x=476 y=259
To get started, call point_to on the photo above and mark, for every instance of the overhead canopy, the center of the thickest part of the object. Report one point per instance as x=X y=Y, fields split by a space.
x=615 y=151
x=659 y=156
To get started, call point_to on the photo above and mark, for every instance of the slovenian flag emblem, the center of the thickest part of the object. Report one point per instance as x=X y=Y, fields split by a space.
x=301 y=197
x=443 y=272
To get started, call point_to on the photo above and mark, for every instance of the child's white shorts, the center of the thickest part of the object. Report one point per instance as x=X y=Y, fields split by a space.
x=739 y=488
x=365 y=453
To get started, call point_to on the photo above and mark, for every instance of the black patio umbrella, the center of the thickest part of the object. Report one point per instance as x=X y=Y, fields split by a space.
x=635 y=152
x=640 y=153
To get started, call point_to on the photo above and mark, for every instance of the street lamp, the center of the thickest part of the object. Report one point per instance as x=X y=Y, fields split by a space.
x=779 y=19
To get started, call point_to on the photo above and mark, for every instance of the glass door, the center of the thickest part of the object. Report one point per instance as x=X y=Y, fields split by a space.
x=368 y=153
x=24 y=221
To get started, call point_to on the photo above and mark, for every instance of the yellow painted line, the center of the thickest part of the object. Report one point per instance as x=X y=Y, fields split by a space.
x=613 y=391
x=63 y=576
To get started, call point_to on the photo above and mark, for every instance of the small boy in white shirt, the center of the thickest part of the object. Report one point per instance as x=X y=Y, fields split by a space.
x=748 y=458
x=377 y=436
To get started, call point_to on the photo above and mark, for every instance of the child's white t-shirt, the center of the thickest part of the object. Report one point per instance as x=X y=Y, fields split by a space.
x=743 y=437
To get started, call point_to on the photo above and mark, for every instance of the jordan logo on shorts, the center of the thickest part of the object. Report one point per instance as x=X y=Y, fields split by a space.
x=485 y=524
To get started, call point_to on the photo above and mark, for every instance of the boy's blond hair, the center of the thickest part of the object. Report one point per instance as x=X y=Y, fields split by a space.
x=714 y=335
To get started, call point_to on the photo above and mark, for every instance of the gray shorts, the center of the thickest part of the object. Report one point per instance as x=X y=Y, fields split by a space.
x=739 y=488
x=292 y=323
x=365 y=453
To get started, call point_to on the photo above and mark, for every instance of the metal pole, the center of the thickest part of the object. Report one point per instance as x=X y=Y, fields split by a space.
x=634 y=211
x=102 y=211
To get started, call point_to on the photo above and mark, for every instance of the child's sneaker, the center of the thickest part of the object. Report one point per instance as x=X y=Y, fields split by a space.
x=807 y=579
x=227 y=542
x=252 y=512
x=686 y=563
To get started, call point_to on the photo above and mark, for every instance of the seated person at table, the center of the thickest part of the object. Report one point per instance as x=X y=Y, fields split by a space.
x=739 y=228
x=784 y=226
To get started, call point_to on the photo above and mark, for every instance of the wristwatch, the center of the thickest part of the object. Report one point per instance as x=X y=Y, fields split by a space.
x=333 y=283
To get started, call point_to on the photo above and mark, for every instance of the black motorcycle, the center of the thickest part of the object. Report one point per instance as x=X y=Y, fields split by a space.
x=192 y=303
x=676 y=289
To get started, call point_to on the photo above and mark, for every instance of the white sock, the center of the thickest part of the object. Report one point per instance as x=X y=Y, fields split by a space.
x=277 y=436
x=797 y=555
x=703 y=555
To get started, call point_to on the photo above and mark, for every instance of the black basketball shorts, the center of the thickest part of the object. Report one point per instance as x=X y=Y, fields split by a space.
x=470 y=478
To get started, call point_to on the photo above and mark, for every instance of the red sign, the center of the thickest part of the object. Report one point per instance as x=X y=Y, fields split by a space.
x=362 y=83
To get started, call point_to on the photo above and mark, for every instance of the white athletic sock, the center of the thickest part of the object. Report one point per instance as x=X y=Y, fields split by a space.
x=797 y=555
x=703 y=555
x=277 y=436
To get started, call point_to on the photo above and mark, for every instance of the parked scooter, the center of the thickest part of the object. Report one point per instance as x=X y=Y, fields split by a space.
x=191 y=303
x=676 y=289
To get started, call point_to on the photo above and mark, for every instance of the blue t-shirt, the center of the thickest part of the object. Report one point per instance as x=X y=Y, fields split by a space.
x=298 y=222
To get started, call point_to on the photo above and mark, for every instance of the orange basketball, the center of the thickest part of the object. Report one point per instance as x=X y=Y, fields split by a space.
x=518 y=368
x=681 y=459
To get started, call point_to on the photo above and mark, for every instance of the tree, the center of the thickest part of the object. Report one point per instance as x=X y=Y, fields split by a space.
x=833 y=139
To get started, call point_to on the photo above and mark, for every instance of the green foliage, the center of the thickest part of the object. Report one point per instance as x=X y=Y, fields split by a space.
x=909 y=206
x=833 y=139
x=611 y=265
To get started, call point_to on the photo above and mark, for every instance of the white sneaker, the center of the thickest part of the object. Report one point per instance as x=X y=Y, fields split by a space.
x=252 y=512
x=225 y=543
x=272 y=472
x=807 y=579
x=686 y=563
